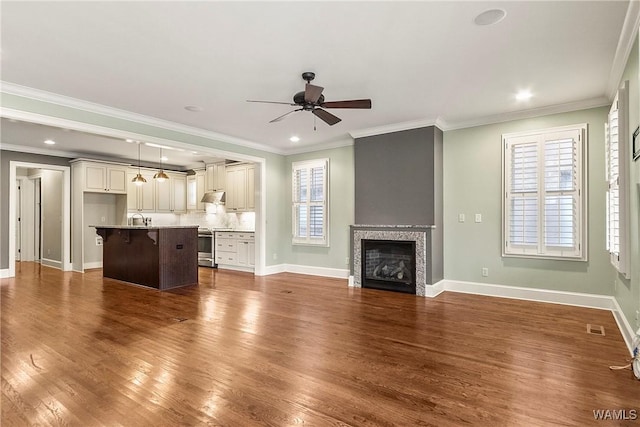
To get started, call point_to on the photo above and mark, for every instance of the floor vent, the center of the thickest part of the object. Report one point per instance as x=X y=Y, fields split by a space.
x=595 y=329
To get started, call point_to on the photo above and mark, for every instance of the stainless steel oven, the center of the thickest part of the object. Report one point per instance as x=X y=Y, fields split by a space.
x=206 y=246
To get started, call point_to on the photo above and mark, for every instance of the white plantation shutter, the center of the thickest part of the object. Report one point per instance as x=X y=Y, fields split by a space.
x=617 y=182
x=310 y=224
x=543 y=206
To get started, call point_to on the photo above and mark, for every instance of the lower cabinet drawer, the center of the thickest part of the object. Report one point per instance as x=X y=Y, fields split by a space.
x=226 y=258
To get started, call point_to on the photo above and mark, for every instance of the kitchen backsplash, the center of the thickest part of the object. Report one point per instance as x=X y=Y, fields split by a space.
x=213 y=218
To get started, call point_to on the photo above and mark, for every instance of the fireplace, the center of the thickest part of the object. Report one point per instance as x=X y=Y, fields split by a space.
x=389 y=265
x=411 y=244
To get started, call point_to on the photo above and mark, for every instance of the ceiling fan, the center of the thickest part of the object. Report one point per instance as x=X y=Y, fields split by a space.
x=311 y=99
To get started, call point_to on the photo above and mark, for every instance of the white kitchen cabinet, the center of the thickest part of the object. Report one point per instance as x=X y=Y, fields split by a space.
x=246 y=249
x=216 y=177
x=141 y=198
x=235 y=250
x=251 y=188
x=240 y=188
x=101 y=177
x=171 y=195
x=195 y=190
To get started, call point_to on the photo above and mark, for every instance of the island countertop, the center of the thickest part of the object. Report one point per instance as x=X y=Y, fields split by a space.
x=161 y=257
x=143 y=227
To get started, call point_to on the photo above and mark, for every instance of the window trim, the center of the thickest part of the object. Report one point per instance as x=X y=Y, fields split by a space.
x=582 y=216
x=308 y=240
x=619 y=260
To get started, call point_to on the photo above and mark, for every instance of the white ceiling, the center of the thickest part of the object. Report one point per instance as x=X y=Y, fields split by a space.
x=417 y=61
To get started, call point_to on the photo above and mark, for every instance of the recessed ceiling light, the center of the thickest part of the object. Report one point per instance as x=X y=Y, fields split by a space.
x=524 y=95
x=49 y=142
x=294 y=138
x=490 y=17
x=164 y=158
x=193 y=108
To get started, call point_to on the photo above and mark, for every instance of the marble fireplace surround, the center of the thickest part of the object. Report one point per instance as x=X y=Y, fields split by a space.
x=420 y=234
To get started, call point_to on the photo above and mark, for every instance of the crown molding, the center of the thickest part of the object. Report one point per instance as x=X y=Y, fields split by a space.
x=395 y=127
x=42 y=151
x=628 y=36
x=65 y=101
x=528 y=114
x=329 y=145
x=27 y=116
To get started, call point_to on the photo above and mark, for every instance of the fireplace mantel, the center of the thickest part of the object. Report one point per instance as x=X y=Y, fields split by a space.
x=420 y=234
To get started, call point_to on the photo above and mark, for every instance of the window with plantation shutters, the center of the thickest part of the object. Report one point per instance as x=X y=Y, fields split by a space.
x=309 y=202
x=544 y=200
x=616 y=131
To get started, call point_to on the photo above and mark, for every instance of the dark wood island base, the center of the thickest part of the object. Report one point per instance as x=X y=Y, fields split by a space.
x=158 y=257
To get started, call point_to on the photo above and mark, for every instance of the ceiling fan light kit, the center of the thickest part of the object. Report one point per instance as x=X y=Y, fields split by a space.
x=311 y=99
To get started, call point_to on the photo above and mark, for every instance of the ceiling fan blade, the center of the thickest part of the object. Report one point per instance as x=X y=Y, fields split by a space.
x=354 y=103
x=312 y=93
x=271 y=102
x=326 y=116
x=277 y=119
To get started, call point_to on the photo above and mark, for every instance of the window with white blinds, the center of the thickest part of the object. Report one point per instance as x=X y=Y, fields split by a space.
x=616 y=131
x=310 y=217
x=544 y=201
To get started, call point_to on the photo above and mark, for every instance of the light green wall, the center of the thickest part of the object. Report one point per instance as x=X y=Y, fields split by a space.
x=627 y=292
x=275 y=198
x=341 y=209
x=472 y=184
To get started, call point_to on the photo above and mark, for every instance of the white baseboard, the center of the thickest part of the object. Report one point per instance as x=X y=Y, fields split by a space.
x=603 y=302
x=274 y=269
x=51 y=263
x=338 y=273
x=432 y=291
x=4 y=273
x=89 y=265
x=236 y=268
x=625 y=328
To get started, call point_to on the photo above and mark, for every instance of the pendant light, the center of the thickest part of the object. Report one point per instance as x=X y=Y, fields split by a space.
x=160 y=176
x=139 y=179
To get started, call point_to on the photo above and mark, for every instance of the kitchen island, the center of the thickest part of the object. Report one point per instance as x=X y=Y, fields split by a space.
x=160 y=257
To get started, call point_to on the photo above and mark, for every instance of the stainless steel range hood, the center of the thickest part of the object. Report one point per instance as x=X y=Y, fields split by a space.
x=215 y=197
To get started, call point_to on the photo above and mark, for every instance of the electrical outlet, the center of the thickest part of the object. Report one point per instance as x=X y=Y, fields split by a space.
x=637 y=318
x=485 y=272
x=347 y=261
x=98 y=241
x=460 y=217
x=478 y=217
x=103 y=219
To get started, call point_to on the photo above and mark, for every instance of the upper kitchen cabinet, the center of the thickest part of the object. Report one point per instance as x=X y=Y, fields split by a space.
x=102 y=177
x=240 y=188
x=171 y=195
x=216 y=177
x=195 y=190
x=141 y=198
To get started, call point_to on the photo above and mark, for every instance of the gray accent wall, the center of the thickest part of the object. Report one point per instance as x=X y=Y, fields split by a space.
x=399 y=181
x=5 y=158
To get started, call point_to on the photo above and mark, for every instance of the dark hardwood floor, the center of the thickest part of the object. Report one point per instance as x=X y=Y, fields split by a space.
x=289 y=349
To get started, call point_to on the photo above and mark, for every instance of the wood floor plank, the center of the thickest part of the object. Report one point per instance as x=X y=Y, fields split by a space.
x=287 y=349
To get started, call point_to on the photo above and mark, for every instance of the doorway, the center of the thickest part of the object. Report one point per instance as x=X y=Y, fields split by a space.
x=62 y=228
